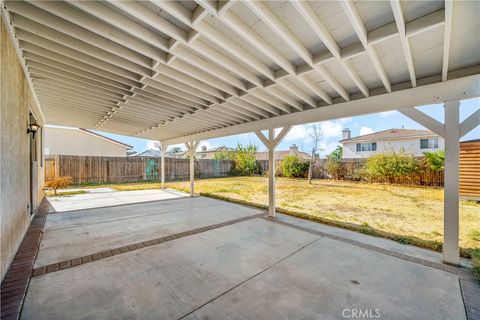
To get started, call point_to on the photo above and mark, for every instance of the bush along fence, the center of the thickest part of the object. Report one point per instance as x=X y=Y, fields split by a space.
x=403 y=170
x=89 y=169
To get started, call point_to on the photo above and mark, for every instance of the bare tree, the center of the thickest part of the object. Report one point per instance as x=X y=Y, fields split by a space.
x=316 y=134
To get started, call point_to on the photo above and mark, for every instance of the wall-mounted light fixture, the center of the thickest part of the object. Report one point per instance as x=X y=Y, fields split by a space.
x=33 y=128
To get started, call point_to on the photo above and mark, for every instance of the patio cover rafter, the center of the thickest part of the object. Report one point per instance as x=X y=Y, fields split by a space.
x=209 y=55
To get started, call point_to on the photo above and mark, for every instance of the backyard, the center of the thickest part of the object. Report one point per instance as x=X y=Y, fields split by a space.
x=412 y=215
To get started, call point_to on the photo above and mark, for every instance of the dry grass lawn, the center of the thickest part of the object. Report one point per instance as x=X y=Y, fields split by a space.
x=407 y=214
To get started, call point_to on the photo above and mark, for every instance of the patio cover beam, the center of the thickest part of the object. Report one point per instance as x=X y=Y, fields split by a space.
x=461 y=88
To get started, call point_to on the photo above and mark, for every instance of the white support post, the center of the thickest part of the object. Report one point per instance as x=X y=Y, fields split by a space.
x=451 y=131
x=192 y=147
x=163 y=150
x=271 y=175
x=271 y=143
x=451 y=188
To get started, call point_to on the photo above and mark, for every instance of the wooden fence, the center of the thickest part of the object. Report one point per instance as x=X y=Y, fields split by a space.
x=86 y=169
x=470 y=169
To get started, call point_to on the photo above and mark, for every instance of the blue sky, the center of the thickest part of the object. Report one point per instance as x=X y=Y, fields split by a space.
x=332 y=130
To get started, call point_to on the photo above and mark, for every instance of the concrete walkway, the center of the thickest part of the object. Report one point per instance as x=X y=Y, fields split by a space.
x=199 y=258
x=105 y=197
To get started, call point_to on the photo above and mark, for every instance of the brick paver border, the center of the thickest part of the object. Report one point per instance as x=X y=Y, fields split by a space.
x=469 y=286
x=14 y=285
x=57 y=266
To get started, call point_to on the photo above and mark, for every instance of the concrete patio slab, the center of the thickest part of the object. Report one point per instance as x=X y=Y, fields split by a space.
x=88 y=190
x=363 y=238
x=105 y=199
x=165 y=281
x=252 y=269
x=98 y=215
x=65 y=240
x=329 y=279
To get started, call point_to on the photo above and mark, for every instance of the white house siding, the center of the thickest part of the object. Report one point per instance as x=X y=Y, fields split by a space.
x=409 y=146
x=17 y=102
x=75 y=142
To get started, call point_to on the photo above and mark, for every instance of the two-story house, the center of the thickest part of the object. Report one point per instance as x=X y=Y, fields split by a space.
x=409 y=141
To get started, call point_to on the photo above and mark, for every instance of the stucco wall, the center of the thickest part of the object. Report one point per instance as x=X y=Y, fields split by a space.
x=74 y=142
x=16 y=100
x=410 y=146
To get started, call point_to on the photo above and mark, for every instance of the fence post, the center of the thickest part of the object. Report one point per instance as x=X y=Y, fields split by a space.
x=56 y=166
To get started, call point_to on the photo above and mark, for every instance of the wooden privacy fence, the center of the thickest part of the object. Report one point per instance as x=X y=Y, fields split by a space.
x=470 y=169
x=87 y=169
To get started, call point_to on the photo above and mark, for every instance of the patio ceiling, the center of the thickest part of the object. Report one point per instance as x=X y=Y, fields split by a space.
x=170 y=70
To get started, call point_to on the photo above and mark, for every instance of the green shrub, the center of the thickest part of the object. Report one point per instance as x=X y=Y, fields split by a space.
x=225 y=155
x=334 y=167
x=389 y=167
x=435 y=160
x=337 y=153
x=294 y=167
x=245 y=162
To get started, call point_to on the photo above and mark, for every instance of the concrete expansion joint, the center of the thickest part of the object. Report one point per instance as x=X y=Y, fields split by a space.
x=455 y=269
x=58 y=266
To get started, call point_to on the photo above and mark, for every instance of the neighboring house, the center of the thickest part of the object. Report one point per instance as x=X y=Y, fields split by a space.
x=410 y=141
x=204 y=153
x=279 y=155
x=82 y=142
x=152 y=153
x=155 y=153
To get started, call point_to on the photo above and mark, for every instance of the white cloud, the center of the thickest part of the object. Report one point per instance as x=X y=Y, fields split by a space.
x=298 y=133
x=207 y=144
x=331 y=129
x=152 y=144
x=327 y=147
x=345 y=120
x=365 y=130
x=387 y=113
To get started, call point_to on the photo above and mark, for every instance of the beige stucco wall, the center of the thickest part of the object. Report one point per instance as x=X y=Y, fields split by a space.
x=16 y=100
x=74 y=142
x=408 y=146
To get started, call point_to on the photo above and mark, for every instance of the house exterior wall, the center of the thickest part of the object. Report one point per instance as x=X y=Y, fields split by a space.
x=409 y=146
x=16 y=102
x=74 y=142
x=205 y=155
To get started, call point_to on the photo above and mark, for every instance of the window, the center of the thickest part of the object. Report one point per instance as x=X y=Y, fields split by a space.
x=429 y=143
x=370 y=146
